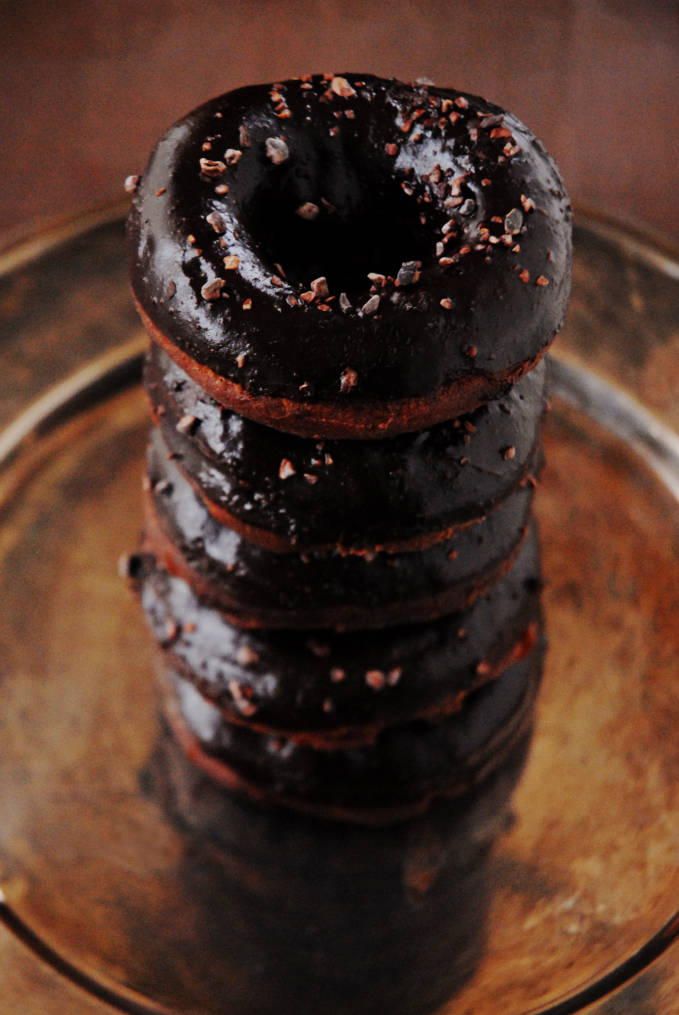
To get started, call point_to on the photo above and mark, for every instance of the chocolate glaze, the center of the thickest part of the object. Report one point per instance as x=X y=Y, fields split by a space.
x=392 y=170
x=343 y=686
x=397 y=776
x=402 y=492
x=257 y=587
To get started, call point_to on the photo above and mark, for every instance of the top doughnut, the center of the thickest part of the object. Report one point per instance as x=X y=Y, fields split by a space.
x=348 y=256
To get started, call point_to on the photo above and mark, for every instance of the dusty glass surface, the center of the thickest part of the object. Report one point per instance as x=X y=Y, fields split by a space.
x=112 y=866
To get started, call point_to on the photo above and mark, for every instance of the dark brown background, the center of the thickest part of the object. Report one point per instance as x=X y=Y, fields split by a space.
x=85 y=87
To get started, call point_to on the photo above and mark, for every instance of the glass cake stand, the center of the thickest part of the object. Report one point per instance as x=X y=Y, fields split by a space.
x=110 y=900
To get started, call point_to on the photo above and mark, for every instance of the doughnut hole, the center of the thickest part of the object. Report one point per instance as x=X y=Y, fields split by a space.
x=337 y=214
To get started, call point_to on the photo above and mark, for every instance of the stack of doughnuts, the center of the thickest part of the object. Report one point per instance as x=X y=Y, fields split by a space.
x=349 y=284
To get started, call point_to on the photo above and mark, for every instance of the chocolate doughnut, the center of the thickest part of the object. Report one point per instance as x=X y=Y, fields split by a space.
x=261 y=588
x=311 y=685
x=394 y=778
x=347 y=256
x=404 y=492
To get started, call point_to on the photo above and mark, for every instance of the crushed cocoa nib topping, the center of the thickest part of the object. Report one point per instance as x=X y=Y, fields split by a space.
x=232 y=156
x=171 y=630
x=375 y=679
x=308 y=211
x=337 y=675
x=348 y=379
x=319 y=287
x=246 y=656
x=131 y=183
x=491 y=120
x=340 y=86
x=286 y=469
x=222 y=188
x=310 y=478
x=542 y=280
x=408 y=273
x=212 y=290
x=344 y=302
x=243 y=136
x=509 y=452
x=499 y=132
x=394 y=675
x=247 y=304
x=212 y=168
x=524 y=276
x=217 y=222
x=240 y=359
x=391 y=149
x=371 y=306
x=240 y=698
x=526 y=203
x=231 y=262
x=513 y=221
x=276 y=150
x=446 y=303
x=328 y=705
x=187 y=424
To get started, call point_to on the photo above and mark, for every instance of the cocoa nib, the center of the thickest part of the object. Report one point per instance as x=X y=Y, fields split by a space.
x=212 y=168
x=348 y=379
x=276 y=150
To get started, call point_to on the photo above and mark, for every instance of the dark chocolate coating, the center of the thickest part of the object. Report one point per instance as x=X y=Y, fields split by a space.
x=407 y=490
x=403 y=770
x=464 y=174
x=343 y=686
x=261 y=588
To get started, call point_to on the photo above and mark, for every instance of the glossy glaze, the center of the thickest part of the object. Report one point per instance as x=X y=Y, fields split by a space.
x=258 y=587
x=408 y=490
x=403 y=770
x=342 y=686
x=463 y=174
